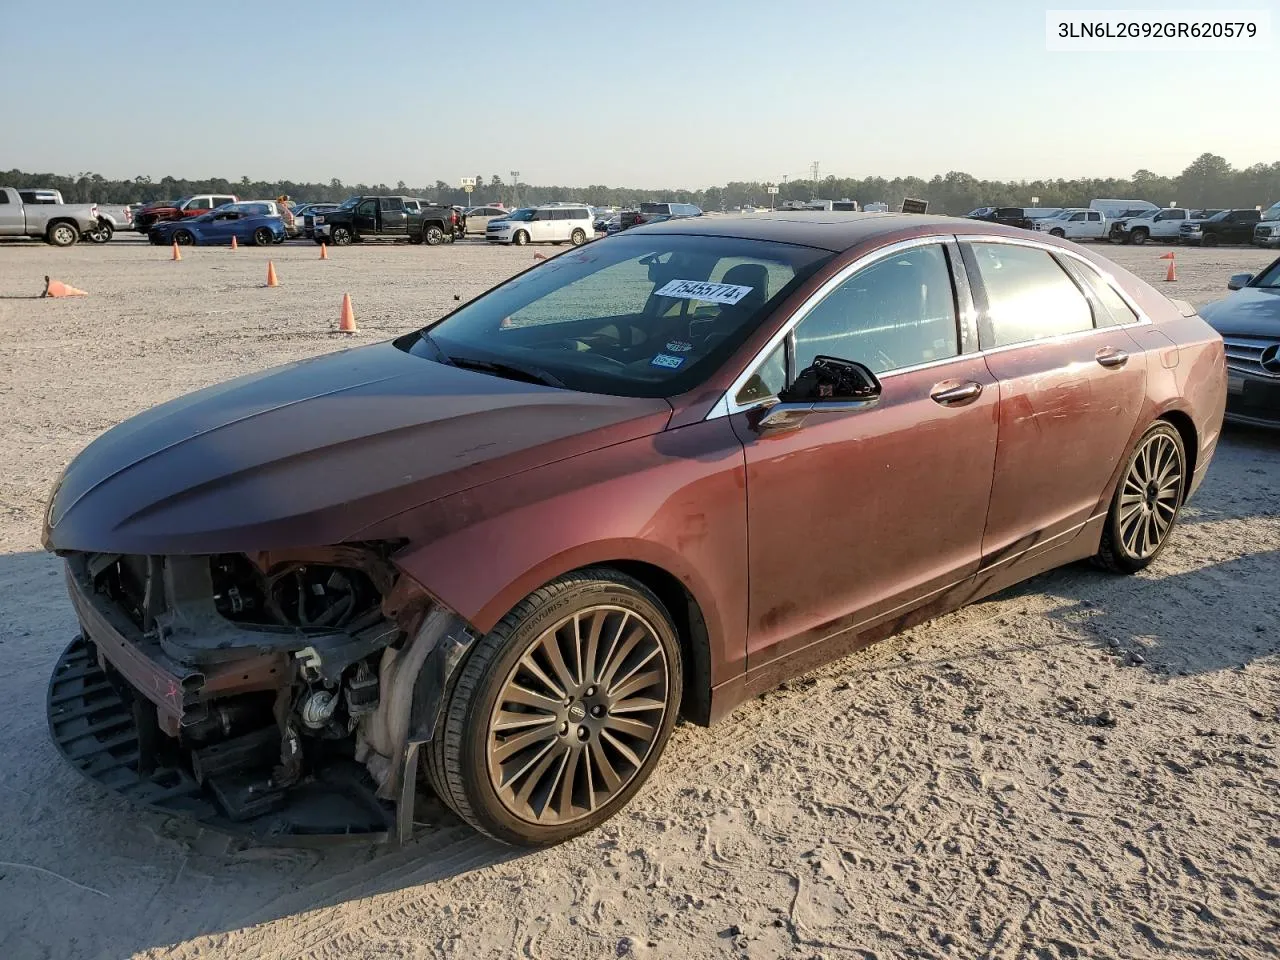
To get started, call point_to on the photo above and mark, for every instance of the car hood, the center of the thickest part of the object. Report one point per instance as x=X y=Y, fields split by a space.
x=1251 y=312
x=312 y=452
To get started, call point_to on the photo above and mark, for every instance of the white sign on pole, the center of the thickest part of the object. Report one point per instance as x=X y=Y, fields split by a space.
x=468 y=183
x=772 y=189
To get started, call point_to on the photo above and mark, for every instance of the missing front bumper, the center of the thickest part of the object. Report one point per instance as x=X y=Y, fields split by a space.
x=99 y=724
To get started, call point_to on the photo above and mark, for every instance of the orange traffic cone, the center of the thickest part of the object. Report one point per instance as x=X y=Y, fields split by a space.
x=56 y=288
x=177 y=255
x=234 y=245
x=539 y=256
x=347 y=319
x=271 y=275
x=324 y=251
x=1172 y=275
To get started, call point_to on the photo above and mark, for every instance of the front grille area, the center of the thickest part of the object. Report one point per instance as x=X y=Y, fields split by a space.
x=1245 y=354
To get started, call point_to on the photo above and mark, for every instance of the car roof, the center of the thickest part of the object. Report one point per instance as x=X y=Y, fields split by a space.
x=826 y=231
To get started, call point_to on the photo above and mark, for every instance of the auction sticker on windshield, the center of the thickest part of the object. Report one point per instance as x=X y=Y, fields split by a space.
x=729 y=293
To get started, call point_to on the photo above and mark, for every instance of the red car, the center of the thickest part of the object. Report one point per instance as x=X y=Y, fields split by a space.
x=163 y=211
x=497 y=558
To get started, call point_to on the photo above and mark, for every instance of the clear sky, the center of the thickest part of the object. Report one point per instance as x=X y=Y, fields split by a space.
x=575 y=92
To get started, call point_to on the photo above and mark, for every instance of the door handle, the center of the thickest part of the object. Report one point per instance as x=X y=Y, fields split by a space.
x=1111 y=357
x=956 y=394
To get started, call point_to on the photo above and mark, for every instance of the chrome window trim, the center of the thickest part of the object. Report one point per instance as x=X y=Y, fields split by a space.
x=727 y=406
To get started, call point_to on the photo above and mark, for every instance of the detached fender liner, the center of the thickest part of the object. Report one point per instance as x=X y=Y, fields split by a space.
x=99 y=727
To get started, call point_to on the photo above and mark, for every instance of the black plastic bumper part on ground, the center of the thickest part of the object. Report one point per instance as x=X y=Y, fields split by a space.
x=95 y=728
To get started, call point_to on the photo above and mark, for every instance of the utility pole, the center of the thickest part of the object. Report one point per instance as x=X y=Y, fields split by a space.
x=814 y=168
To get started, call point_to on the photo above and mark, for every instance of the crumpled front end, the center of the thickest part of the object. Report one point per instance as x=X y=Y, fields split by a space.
x=264 y=694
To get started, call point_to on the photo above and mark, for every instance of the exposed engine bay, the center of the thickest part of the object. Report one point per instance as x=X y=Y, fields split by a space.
x=275 y=688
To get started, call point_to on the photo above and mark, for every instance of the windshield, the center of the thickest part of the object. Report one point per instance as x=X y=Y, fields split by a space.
x=638 y=316
x=1220 y=215
x=1269 y=278
x=1272 y=212
x=350 y=203
x=521 y=215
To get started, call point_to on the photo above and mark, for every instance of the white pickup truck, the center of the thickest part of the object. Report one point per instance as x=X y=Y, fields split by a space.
x=1157 y=225
x=1267 y=232
x=60 y=224
x=1074 y=223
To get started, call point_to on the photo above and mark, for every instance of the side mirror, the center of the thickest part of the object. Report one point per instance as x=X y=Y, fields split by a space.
x=1239 y=280
x=828 y=385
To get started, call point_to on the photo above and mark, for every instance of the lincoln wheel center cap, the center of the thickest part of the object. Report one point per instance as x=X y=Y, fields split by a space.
x=577 y=712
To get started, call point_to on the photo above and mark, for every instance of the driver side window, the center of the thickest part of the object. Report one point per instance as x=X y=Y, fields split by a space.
x=368 y=208
x=898 y=312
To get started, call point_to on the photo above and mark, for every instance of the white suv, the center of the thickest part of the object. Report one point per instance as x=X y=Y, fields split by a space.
x=550 y=224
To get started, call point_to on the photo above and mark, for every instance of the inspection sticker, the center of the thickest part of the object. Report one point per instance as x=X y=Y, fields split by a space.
x=666 y=360
x=701 y=290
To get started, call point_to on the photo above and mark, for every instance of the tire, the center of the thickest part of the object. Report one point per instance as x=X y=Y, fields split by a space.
x=432 y=235
x=1139 y=236
x=184 y=238
x=1057 y=232
x=341 y=236
x=520 y=239
x=578 y=237
x=464 y=761
x=1209 y=240
x=1140 y=509
x=62 y=234
x=263 y=237
x=102 y=233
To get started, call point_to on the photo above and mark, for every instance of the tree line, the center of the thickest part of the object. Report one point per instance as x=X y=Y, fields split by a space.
x=1209 y=181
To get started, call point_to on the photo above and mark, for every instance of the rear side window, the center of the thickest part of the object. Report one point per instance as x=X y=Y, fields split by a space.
x=898 y=312
x=4 y=197
x=392 y=203
x=1029 y=296
x=1110 y=309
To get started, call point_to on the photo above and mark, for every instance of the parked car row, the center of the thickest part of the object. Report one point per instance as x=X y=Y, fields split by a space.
x=1249 y=321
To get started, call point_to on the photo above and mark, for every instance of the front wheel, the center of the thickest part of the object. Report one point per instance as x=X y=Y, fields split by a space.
x=578 y=237
x=1146 y=502
x=1057 y=232
x=1139 y=236
x=560 y=713
x=520 y=239
x=263 y=237
x=433 y=236
x=341 y=236
x=1209 y=240
x=62 y=234
x=184 y=238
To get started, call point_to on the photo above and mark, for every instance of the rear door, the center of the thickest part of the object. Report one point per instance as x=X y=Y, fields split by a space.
x=1094 y=225
x=1071 y=387
x=13 y=223
x=394 y=217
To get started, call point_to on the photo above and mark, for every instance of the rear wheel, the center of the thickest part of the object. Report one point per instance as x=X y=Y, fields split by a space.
x=184 y=238
x=1146 y=502
x=432 y=236
x=263 y=237
x=62 y=234
x=101 y=233
x=520 y=239
x=578 y=237
x=561 y=712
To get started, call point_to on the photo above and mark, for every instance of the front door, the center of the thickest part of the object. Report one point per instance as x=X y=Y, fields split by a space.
x=1071 y=387
x=542 y=226
x=365 y=216
x=855 y=517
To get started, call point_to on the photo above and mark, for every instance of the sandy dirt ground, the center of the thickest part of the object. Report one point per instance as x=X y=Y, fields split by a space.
x=1083 y=766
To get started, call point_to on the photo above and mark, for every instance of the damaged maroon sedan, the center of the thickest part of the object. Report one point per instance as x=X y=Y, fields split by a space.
x=498 y=558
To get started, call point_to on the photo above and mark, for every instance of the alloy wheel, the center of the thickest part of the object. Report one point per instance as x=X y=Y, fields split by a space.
x=578 y=715
x=1150 y=495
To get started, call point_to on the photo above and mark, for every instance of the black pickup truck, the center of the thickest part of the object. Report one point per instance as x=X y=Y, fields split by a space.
x=420 y=221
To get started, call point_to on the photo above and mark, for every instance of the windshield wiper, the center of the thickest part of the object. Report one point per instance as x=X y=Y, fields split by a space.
x=437 y=354
x=512 y=371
